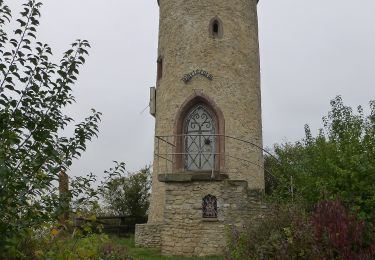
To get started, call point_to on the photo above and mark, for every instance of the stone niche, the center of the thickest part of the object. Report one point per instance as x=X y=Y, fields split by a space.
x=185 y=231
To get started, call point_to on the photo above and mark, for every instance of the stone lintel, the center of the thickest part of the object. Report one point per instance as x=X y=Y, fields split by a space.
x=191 y=176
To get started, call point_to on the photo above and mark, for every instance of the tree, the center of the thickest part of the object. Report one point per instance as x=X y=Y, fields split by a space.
x=33 y=93
x=339 y=163
x=127 y=194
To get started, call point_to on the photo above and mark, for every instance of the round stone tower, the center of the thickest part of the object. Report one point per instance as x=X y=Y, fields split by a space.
x=207 y=106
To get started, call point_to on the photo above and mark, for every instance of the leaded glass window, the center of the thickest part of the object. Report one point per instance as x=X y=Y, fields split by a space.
x=209 y=206
x=199 y=139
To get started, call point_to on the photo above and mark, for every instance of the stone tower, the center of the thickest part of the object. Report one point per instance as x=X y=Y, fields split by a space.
x=208 y=164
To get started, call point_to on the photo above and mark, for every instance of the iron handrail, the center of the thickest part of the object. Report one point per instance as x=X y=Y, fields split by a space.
x=166 y=145
x=220 y=135
x=170 y=144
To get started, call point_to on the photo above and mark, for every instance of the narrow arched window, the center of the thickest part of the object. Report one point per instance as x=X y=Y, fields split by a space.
x=209 y=206
x=216 y=28
x=159 y=68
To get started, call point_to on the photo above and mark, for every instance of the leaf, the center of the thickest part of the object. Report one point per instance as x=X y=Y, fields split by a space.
x=31 y=35
x=9 y=79
x=10 y=87
x=13 y=103
x=55 y=232
x=22 y=23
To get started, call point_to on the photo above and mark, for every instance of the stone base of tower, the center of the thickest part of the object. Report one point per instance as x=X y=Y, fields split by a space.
x=185 y=232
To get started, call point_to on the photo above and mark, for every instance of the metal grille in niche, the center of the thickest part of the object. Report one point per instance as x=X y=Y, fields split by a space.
x=209 y=206
x=199 y=139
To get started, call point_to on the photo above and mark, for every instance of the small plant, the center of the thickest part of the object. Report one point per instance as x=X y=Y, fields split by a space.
x=114 y=252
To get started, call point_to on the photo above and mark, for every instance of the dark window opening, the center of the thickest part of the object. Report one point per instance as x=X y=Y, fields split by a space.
x=215 y=28
x=209 y=206
x=160 y=69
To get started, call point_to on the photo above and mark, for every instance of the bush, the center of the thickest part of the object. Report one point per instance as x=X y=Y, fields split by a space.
x=339 y=234
x=81 y=244
x=284 y=234
x=114 y=252
x=127 y=194
x=339 y=163
x=330 y=232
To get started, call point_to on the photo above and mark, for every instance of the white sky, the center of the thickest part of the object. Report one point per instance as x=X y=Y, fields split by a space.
x=311 y=51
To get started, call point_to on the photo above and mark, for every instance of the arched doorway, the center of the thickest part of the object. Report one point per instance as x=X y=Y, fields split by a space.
x=200 y=105
x=199 y=139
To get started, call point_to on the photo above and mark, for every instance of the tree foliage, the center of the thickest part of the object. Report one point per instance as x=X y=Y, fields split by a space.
x=34 y=91
x=338 y=163
x=127 y=194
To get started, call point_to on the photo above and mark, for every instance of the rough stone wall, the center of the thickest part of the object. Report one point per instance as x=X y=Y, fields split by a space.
x=148 y=235
x=186 y=233
x=185 y=44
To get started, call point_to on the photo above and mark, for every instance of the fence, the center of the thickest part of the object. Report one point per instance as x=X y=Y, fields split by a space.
x=118 y=225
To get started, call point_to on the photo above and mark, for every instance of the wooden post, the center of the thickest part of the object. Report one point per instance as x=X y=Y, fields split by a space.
x=64 y=197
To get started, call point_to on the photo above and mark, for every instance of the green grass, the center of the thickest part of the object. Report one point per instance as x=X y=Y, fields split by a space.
x=154 y=254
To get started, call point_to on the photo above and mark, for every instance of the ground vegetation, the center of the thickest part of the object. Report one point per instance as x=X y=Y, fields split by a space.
x=321 y=192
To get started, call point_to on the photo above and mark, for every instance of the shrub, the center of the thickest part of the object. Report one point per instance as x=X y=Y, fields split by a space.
x=114 y=252
x=82 y=244
x=284 y=234
x=339 y=163
x=329 y=232
x=340 y=234
x=127 y=194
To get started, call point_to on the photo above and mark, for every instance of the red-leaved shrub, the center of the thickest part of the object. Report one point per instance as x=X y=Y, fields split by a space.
x=340 y=234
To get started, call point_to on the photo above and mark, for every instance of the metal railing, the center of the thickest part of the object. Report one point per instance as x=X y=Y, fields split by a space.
x=229 y=154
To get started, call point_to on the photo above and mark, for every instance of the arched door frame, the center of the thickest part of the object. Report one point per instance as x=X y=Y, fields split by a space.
x=195 y=99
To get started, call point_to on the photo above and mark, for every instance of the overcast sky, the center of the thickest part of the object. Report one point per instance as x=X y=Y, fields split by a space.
x=310 y=52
